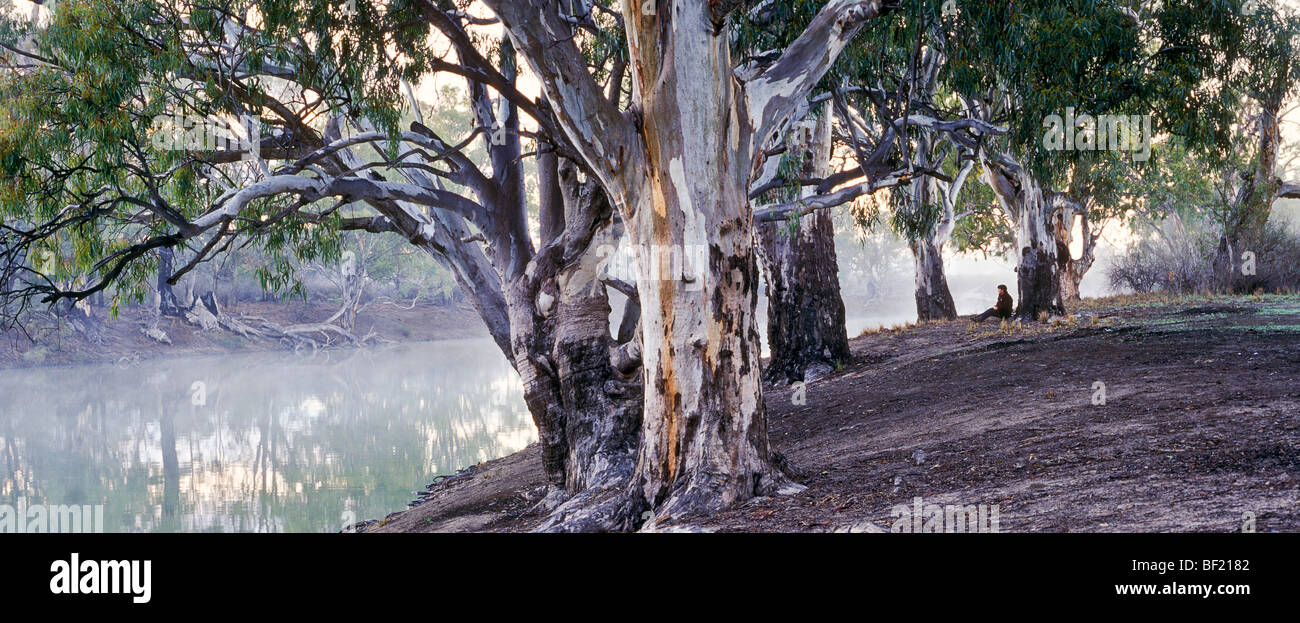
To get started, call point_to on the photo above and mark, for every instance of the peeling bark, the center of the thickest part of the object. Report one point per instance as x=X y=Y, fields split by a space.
x=704 y=439
x=677 y=167
x=933 y=298
x=805 y=313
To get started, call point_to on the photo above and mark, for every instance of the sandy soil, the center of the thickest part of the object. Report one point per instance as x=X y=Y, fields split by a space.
x=1201 y=425
x=112 y=340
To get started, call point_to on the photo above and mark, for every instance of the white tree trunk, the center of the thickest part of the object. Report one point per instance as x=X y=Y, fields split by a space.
x=677 y=166
x=933 y=298
x=704 y=442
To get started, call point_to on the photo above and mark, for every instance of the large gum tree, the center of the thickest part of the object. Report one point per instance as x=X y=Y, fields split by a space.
x=1268 y=75
x=677 y=165
x=1170 y=64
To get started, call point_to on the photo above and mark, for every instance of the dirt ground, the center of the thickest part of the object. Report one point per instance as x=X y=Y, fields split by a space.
x=110 y=340
x=1199 y=430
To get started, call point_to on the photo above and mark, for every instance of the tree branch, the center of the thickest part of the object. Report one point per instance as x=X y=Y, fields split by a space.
x=775 y=93
x=808 y=205
x=590 y=121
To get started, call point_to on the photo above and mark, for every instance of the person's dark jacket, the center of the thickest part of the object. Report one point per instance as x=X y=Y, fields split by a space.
x=1005 y=305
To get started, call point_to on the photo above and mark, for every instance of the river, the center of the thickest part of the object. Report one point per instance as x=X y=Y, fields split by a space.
x=261 y=442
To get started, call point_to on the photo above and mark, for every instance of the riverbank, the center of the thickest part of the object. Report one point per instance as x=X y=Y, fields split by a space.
x=48 y=342
x=1199 y=429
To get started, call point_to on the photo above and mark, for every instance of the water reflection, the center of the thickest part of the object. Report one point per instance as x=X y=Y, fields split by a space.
x=260 y=442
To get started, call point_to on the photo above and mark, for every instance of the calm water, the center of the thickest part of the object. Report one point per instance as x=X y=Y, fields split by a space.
x=258 y=442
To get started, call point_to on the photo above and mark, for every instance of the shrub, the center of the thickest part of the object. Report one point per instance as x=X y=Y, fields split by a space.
x=1156 y=265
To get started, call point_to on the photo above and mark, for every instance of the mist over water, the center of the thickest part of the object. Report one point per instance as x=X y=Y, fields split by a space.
x=270 y=442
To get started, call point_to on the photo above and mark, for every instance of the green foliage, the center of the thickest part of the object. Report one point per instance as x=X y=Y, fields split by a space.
x=79 y=149
x=984 y=227
x=878 y=55
x=1186 y=63
x=910 y=220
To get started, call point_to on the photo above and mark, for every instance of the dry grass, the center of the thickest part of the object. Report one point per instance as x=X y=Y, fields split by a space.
x=899 y=329
x=895 y=329
x=1081 y=313
x=1147 y=298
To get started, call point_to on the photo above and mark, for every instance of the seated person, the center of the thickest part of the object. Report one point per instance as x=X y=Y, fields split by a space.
x=1002 y=309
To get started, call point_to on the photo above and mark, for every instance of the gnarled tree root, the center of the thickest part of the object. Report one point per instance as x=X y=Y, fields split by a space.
x=614 y=507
